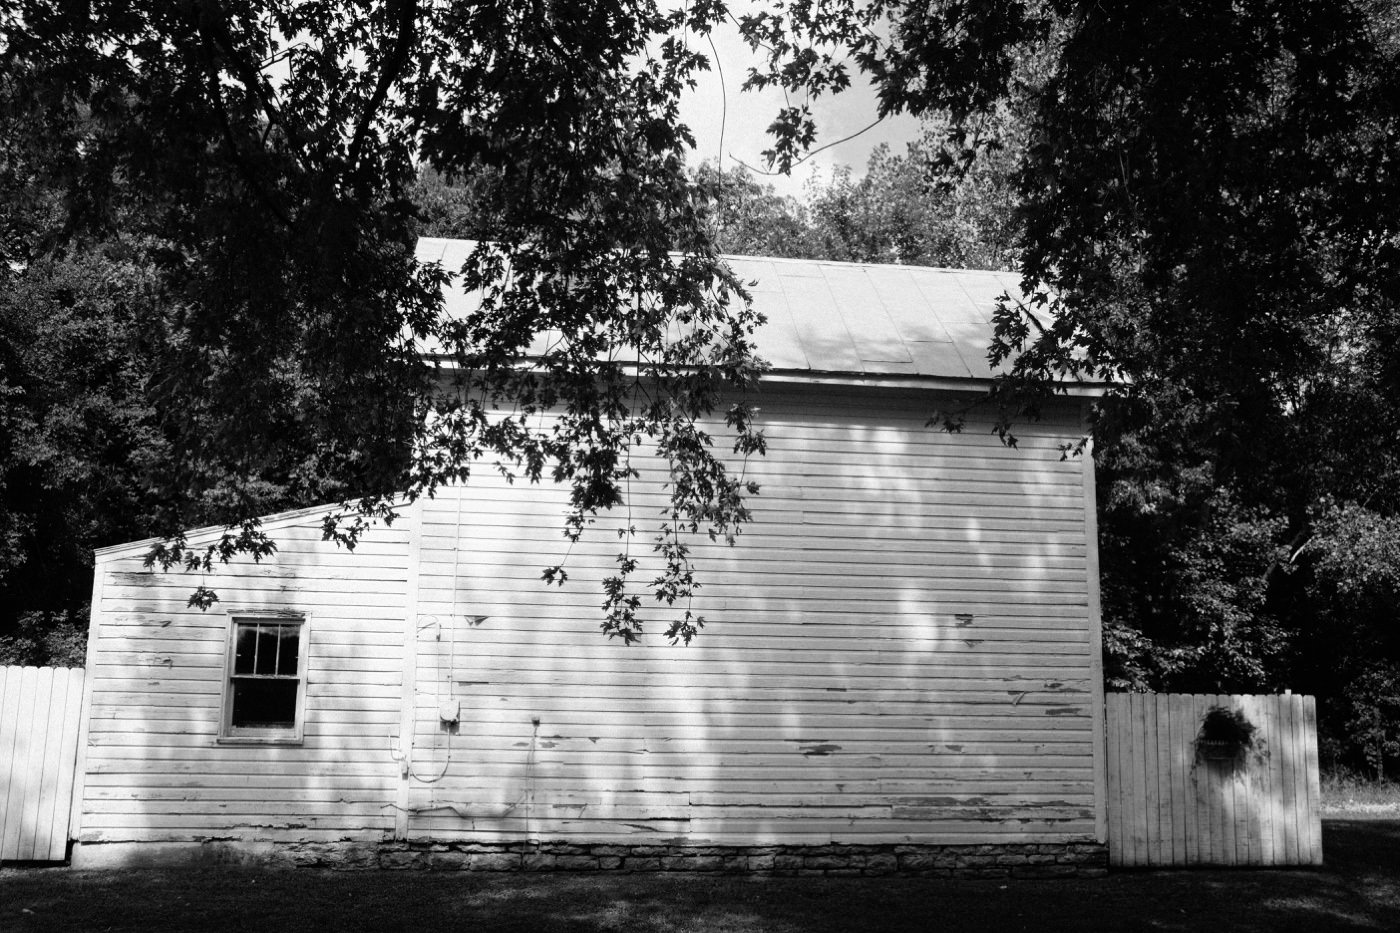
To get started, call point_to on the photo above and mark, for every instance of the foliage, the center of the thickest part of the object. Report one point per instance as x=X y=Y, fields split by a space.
x=1350 y=591
x=1348 y=789
x=1201 y=197
x=1222 y=724
x=898 y=211
x=1187 y=171
x=1185 y=595
x=902 y=211
x=82 y=449
x=1369 y=717
x=1206 y=213
x=260 y=160
x=43 y=639
x=750 y=219
x=1357 y=562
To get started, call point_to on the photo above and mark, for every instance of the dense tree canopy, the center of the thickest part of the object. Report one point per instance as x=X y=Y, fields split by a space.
x=211 y=310
x=1207 y=197
x=78 y=434
x=253 y=163
x=898 y=211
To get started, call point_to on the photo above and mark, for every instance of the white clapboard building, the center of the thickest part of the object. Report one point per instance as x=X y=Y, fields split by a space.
x=901 y=669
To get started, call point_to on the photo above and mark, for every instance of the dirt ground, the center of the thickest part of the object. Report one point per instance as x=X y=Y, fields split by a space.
x=1358 y=889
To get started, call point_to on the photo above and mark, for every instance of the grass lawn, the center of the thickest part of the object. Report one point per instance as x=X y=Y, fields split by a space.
x=1345 y=795
x=1359 y=889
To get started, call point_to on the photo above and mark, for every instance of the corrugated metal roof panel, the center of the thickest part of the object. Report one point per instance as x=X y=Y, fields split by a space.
x=864 y=319
x=777 y=338
x=819 y=319
x=878 y=342
x=452 y=254
x=923 y=332
x=429 y=249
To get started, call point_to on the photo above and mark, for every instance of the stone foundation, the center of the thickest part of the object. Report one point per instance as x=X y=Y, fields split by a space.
x=968 y=861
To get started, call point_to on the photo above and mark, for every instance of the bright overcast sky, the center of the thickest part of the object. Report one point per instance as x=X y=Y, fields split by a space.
x=743 y=117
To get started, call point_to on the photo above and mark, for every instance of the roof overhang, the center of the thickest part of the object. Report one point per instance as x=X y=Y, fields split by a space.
x=842 y=322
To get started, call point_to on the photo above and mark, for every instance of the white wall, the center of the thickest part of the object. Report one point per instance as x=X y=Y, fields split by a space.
x=154 y=769
x=900 y=648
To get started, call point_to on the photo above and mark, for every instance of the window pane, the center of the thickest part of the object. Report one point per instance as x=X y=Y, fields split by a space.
x=265 y=704
x=290 y=636
x=244 y=648
x=267 y=649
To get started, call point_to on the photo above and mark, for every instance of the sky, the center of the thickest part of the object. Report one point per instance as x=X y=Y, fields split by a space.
x=732 y=123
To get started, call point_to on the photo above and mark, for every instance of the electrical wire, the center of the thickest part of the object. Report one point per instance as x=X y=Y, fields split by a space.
x=723 y=107
x=835 y=142
x=451 y=670
x=406 y=759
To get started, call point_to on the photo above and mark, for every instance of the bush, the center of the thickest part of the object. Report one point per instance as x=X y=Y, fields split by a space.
x=1370 y=714
x=47 y=639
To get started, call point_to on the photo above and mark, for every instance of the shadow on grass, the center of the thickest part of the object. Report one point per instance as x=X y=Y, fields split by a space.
x=1358 y=889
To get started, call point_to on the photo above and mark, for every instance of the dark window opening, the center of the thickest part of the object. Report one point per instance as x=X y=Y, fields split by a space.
x=265 y=680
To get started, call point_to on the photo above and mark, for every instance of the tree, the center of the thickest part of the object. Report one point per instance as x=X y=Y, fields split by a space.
x=1207 y=209
x=899 y=211
x=259 y=160
x=79 y=441
x=902 y=210
x=749 y=218
x=1352 y=601
x=1185 y=173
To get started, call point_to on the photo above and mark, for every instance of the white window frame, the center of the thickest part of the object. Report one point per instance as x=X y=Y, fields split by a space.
x=230 y=735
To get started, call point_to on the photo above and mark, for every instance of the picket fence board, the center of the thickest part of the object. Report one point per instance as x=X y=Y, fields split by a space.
x=1171 y=804
x=39 y=721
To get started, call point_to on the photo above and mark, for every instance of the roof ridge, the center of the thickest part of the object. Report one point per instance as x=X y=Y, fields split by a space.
x=851 y=263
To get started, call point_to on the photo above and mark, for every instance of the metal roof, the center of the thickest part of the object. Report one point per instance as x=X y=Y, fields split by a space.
x=840 y=318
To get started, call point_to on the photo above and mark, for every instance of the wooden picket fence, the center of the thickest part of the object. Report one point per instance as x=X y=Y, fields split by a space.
x=1178 y=795
x=1175 y=797
x=39 y=718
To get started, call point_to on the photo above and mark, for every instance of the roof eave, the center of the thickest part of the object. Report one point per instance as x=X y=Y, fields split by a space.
x=907 y=381
x=195 y=537
x=873 y=380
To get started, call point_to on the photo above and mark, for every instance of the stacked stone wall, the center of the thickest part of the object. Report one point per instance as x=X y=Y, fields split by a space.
x=977 y=861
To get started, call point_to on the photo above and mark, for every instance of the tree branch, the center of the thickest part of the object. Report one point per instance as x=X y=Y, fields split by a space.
x=393 y=66
x=235 y=153
x=213 y=25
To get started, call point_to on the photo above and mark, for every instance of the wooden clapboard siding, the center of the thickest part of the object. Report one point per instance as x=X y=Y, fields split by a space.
x=154 y=768
x=1167 y=805
x=900 y=648
x=39 y=724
